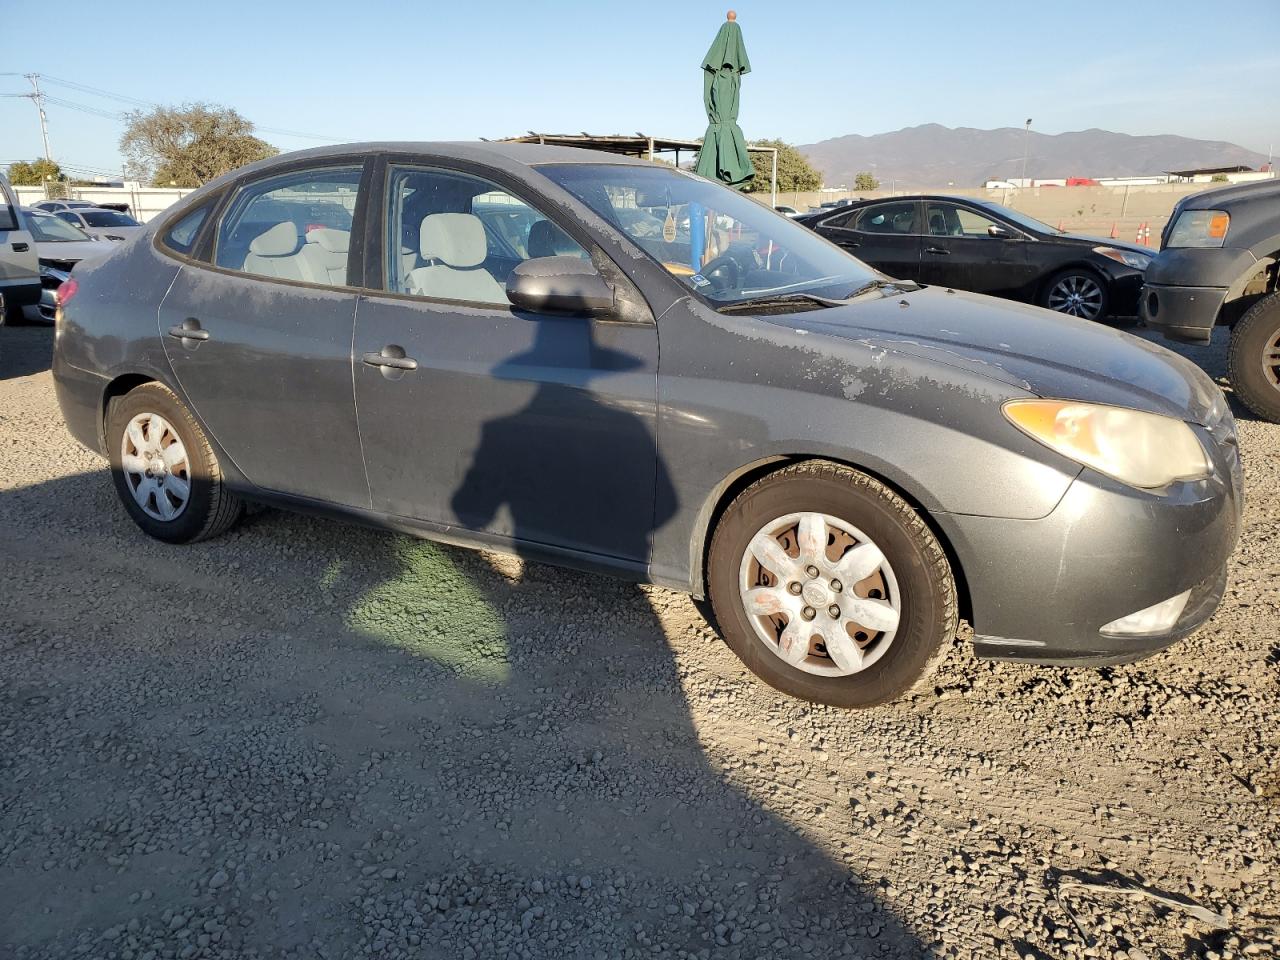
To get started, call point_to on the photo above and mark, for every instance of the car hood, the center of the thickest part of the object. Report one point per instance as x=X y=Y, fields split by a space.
x=1037 y=351
x=1086 y=240
x=74 y=250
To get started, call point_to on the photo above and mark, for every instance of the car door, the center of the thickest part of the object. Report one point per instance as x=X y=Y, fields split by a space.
x=19 y=266
x=885 y=235
x=969 y=250
x=522 y=427
x=259 y=337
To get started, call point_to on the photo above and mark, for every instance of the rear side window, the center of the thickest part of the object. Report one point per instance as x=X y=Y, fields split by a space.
x=889 y=218
x=181 y=237
x=292 y=227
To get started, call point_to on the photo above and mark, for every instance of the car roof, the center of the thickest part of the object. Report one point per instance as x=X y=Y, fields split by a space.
x=515 y=158
x=527 y=154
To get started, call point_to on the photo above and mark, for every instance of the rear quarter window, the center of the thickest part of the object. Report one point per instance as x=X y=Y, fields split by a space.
x=181 y=237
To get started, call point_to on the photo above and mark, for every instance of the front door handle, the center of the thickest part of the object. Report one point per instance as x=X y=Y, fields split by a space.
x=391 y=357
x=940 y=251
x=188 y=329
x=21 y=247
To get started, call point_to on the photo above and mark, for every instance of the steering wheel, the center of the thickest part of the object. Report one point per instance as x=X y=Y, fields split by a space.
x=714 y=269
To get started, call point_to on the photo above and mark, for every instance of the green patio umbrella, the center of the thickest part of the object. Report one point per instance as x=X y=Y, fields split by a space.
x=724 y=155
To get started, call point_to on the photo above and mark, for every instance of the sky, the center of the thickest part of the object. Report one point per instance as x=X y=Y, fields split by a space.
x=342 y=71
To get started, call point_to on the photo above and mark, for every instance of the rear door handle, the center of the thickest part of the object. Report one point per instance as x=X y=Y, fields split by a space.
x=188 y=329
x=389 y=358
x=940 y=251
x=21 y=247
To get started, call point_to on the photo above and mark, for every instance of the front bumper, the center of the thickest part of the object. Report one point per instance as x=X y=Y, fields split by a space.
x=1182 y=313
x=1041 y=590
x=1125 y=288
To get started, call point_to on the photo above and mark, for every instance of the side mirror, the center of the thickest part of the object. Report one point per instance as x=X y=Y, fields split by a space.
x=999 y=232
x=566 y=285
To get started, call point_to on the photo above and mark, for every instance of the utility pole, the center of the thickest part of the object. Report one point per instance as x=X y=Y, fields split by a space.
x=1026 y=134
x=38 y=98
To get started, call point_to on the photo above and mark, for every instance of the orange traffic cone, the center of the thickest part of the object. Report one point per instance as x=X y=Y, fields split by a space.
x=1115 y=234
x=1060 y=225
x=1146 y=235
x=1138 y=237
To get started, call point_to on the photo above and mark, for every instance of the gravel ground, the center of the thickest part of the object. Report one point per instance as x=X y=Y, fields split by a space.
x=312 y=740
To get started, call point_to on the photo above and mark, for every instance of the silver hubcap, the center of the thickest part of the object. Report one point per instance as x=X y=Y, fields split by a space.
x=1079 y=296
x=820 y=594
x=1271 y=362
x=155 y=465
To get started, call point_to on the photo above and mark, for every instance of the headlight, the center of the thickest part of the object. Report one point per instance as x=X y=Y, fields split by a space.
x=1139 y=261
x=1141 y=449
x=1199 y=228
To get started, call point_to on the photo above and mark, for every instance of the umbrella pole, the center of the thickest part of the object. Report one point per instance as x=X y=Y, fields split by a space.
x=773 y=181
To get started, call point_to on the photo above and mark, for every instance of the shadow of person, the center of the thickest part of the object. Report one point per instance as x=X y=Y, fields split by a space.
x=342 y=742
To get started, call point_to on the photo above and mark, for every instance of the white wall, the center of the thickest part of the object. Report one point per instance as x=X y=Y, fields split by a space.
x=144 y=202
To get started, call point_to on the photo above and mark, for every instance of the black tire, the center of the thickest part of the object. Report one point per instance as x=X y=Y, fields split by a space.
x=211 y=508
x=929 y=607
x=1253 y=360
x=1081 y=275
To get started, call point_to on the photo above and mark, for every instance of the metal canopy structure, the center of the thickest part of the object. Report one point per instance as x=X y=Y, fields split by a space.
x=638 y=145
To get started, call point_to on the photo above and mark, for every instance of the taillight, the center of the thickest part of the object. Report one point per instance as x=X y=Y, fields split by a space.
x=66 y=290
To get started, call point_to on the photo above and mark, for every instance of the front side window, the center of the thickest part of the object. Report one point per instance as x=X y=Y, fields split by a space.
x=296 y=226
x=714 y=240
x=894 y=217
x=949 y=220
x=454 y=236
x=68 y=216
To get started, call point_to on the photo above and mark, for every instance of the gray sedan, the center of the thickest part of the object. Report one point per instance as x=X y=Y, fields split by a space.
x=489 y=345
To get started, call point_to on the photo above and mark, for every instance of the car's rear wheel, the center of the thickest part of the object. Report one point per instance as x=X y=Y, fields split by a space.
x=164 y=469
x=830 y=587
x=1254 y=358
x=1077 y=292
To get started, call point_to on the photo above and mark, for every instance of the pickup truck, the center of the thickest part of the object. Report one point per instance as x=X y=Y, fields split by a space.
x=1218 y=263
x=19 y=266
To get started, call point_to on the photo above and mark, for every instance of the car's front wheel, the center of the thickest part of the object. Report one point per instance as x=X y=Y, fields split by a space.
x=830 y=587
x=1077 y=292
x=164 y=469
x=1254 y=358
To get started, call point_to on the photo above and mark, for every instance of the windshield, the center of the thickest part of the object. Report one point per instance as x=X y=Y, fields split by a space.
x=716 y=241
x=46 y=228
x=1031 y=223
x=107 y=218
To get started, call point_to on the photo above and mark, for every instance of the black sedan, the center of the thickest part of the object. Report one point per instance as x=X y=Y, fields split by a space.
x=981 y=246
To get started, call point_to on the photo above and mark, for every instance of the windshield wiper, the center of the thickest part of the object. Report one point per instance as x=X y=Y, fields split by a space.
x=878 y=284
x=781 y=299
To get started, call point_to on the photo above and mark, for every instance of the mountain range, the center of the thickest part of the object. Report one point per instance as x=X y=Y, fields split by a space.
x=932 y=155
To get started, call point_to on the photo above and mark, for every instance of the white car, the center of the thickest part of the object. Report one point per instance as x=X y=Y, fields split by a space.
x=53 y=206
x=107 y=224
x=59 y=247
x=19 y=271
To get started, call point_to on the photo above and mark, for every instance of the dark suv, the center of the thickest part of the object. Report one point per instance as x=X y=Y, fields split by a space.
x=1218 y=266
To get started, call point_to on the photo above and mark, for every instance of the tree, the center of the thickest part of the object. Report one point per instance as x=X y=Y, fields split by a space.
x=188 y=146
x=795 y=173
x=865 y=181
x=23 y=174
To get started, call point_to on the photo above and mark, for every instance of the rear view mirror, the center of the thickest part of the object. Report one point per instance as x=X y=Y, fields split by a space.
x=567 y=285
x=999 y=232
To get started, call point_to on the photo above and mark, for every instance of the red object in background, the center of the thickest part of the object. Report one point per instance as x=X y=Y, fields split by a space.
x=1115 y=234
x=1082 y=182
x=314 y=226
